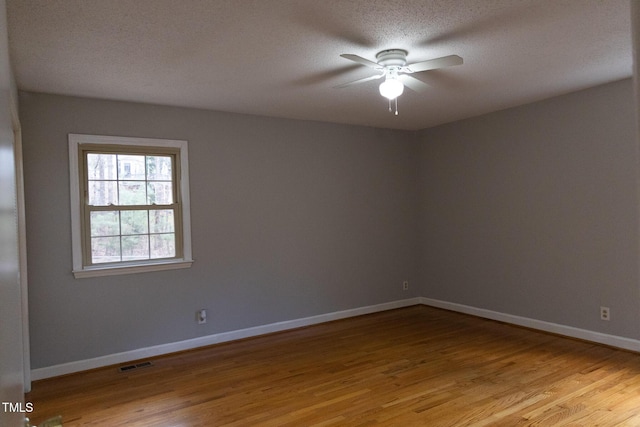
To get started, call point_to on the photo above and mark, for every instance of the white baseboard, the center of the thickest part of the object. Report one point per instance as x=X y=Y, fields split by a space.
x=569 y=331
x=158 y=350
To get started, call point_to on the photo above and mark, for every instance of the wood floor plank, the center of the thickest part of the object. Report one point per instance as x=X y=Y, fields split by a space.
x=408 y=367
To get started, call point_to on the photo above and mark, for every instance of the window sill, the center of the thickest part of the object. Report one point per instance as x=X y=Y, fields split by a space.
x=130 y=268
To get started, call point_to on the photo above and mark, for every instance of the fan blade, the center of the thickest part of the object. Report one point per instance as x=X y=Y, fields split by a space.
x=413 y=83
x=361 y=60
x=366 y=79
x=432 y=64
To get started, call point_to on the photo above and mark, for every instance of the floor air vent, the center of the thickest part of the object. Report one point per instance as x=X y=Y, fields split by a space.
x=128 y=368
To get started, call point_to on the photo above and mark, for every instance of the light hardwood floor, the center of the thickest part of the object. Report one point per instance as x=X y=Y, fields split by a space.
x=416 y=366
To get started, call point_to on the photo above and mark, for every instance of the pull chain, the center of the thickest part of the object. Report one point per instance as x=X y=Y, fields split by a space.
x=396 y=105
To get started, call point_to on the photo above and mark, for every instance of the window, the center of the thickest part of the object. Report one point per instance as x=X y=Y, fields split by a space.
x=129 y=205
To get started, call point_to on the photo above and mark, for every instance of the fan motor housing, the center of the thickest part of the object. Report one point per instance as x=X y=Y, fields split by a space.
x=392 y=57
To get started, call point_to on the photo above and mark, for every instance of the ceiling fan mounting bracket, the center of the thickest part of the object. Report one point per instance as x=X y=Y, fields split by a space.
x=392 y=57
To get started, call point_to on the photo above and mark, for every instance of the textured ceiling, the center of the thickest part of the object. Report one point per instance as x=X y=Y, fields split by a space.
x=281 y=57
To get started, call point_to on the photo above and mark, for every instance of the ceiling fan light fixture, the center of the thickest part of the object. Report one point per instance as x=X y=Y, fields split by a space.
x=391 y=88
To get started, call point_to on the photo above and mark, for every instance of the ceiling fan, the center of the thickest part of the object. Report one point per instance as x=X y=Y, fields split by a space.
x=392 y=65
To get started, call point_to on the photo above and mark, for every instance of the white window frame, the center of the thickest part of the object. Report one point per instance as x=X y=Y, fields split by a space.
x=76 y=175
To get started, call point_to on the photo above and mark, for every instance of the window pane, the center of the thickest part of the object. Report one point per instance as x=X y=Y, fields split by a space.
x=131 y=167
x=104 y=224
x=103 y=193
x=160 y=193
x=101 y=166
x=105 y=249
x=163 y=245
x=129 y=205
x=159 y=168
x=134 y=222
x=161 y=221
x=135 y=247
x=132 y=193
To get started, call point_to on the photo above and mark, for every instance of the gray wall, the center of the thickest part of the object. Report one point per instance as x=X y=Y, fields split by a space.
x=290 y=219
x=533 y=211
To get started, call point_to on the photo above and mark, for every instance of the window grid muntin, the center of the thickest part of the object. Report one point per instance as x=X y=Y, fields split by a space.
x=121 y=235
x=121 y=180
x=175 y=207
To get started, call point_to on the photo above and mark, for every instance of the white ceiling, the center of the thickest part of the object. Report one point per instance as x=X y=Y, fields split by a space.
x=281 y=57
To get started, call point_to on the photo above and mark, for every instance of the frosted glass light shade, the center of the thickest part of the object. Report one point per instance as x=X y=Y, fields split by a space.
x=391 y=88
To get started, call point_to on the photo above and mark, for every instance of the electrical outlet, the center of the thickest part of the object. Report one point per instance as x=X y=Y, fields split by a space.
x=201 y=316
x=405 y=285
x=605 y=314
